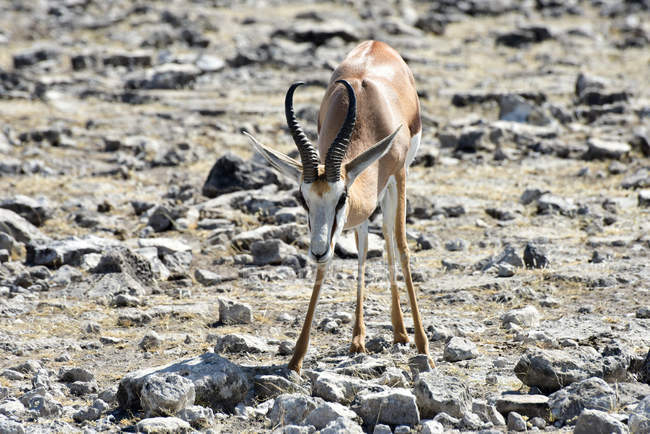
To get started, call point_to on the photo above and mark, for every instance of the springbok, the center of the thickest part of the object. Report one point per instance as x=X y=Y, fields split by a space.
x=362 y=161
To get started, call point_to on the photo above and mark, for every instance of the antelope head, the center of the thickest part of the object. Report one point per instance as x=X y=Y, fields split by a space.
x=323 y=188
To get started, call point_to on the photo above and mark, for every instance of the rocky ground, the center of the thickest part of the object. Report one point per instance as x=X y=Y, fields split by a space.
x=153 y=274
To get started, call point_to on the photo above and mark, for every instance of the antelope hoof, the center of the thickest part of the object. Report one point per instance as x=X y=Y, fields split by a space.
x=400 y=339
x=358 y=346
x=296 y=367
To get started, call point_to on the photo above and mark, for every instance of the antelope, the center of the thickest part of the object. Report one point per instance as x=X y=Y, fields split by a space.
x=361 y=160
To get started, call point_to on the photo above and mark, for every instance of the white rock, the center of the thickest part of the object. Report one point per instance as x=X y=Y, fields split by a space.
x=163 y=425
x=458 y=349
x=328 y=412
x=527 y=316
x=291 y=408
x=166 y=394
x=598 y=422
x=432 y=427
x=437 y=393
x=394 y=407
x=639 y=420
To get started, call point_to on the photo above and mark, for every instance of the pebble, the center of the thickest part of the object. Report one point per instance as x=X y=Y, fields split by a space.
x=598 y=422
x=150 y=341
x=527 y=316
x=232 y=312
x=155 y=425
x=516 y=422
x=458 y=349
x=166 y=394
x=591 y=393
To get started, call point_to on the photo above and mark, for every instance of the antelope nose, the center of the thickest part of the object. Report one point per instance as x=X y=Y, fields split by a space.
x=317 y=256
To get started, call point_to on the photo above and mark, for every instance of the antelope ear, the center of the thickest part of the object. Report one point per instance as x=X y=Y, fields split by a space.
x=363 y=161
x=281 y=162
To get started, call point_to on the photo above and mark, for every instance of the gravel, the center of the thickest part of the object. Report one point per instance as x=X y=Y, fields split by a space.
x=139 y=232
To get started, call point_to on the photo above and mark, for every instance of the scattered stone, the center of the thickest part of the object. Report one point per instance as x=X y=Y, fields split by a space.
x=644 y=198
x=592 y=394
x=524 y=36
x=337 y=388
x=342 y=425
x=527 y=316
x=447 y=421
x=458 y=349
x=456 y=245
x=197 y=416
x=396 y=406
x=34 y=56
x=68 y=251
x=643 y=312
x=166 y=394
x=551 y=204
x=436 y=394
x=318 y=33
x=289 y=409
x=160 y=425
x=528 y=405
x=551 y=370
x=18 y=228
x=380 y=428
x=639 y=419
x=150 y=341
x=231 y=173
x=598 y=422
x=516 y=422
x=346 y=246
x=419 y=363
x=328 y=412
x=165 y=246
x=488 y=413
x=70 y=375
x=241 y=343
x=535 y=256
x=273 y=252
x=514 y=108
x=603 y=149
x=207 y=278
x=432 y=427
x=8 y=426
x=270 y=386
x=538 y=422
x=530 y=195
x=34 y=211
x=217 y=382
x=231 y=312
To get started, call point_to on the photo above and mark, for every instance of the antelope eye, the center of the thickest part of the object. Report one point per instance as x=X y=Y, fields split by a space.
x=341 y=202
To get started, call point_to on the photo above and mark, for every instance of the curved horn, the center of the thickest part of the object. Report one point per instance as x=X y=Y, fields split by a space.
x=308 y=153
x=340 y=145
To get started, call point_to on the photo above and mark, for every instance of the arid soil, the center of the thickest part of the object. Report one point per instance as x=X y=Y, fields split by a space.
x=117 y=241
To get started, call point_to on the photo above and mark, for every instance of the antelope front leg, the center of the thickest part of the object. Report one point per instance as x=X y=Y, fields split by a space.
x=421 y=341
x=389 y=211
x=359 y=331
x=303 y=340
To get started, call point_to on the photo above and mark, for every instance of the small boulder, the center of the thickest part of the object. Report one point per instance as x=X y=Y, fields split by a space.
x=166 y=394
x=436 y=394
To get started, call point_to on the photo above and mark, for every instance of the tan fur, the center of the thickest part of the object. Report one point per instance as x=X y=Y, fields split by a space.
x=303 y=340
x=386 y=98
x=320 y=186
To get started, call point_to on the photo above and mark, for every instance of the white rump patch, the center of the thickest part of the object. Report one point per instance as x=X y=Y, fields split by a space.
x=413 y=150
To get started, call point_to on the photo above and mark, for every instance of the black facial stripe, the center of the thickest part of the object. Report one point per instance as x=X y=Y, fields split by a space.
x=301 y=200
